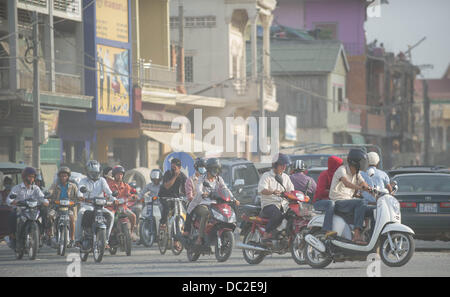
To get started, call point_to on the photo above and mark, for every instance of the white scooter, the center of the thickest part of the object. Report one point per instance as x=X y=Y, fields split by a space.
x=393 y=238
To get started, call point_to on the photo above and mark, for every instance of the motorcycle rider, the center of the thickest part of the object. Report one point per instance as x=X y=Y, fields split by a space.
x=172 y=187
x=63 y=189
x=191 y=189
x=97 y=187
x=27 y=189
x=375 y=177
x=299 y=178
x=346 y=180
x=199 y=205
x=154 y=186
x=270 y=189
x=124 y=191
x=321 y=200
x=7 y=184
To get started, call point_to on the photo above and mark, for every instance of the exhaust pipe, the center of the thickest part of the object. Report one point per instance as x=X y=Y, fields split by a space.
x=244 y=246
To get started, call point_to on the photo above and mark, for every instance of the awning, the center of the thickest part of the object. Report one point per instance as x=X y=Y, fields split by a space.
x=174 y=140
x=357 y=138
x=161 y=116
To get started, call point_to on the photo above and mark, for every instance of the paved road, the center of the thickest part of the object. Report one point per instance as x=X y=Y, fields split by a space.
x=430 y=259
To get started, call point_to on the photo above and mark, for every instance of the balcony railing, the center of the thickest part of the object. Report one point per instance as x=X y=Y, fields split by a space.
x=153 y=75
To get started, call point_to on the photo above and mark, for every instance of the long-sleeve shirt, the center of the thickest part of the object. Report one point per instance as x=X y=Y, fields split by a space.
x=95 y=188
x=23 y=193
x=150 y=188
x=191 y=187
x=198 y=199
x=300 y=180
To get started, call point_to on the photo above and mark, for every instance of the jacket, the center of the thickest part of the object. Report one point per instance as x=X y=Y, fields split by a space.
x=325 y=178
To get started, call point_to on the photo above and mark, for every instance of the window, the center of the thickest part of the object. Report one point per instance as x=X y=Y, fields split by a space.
x=194 y=22
x=189 y=69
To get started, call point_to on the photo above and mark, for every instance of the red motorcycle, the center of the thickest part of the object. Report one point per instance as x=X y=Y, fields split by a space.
x=219 y=228
x=290 y=235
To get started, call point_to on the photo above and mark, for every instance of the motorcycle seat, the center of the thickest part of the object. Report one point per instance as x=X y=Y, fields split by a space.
x=259 y=220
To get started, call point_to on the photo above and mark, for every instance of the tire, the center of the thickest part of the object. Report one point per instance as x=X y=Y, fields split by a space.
x=127 y=239
x=163 y=241
x=147 y=233
x=314 y=258
x=404 y=241
x=250 y=256
x=227 y=243
x=84 y=256
x=33 y=244
x=112 y=251
x=64 y=241
x=298 y=248
x=99 y=245
x=176 y=233
x=192 y=256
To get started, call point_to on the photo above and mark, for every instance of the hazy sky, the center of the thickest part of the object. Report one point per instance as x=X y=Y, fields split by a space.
x=405 y=22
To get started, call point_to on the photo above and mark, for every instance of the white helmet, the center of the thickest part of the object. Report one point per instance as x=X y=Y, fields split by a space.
x=374 y=159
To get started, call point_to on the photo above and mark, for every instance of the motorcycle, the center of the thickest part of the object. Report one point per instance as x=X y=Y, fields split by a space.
x=170 y=236
x=120 y=233
x=62 y=225
x=394 y=240
x=289 y=235
x=94 y=227
x=219 y=228
x=148 y=221
x=28 y=227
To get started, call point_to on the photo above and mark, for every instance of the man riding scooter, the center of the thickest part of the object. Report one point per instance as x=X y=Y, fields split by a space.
x=270 y=189
x=27 y=189
x=346 y=180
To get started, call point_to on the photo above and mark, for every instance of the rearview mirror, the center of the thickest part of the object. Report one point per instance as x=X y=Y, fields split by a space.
x=83 y=189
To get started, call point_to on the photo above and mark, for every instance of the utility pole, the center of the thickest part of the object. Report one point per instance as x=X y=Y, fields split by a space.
x=180 y=62
x=262 y=122
x=426 y=118
x=36 y=95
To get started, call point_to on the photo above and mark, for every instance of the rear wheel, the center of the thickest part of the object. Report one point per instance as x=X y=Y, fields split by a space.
x=315 y=258
x=251 y=256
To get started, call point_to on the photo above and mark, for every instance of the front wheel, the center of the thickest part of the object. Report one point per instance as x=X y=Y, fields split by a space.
x=224 y=246
x=397 y=250
x=99 y=245
x=298 y=248
x=32 y=240
x=63 y=240
x=163 y=240
x=147 y=232
x=127 y=239
x=177 y=246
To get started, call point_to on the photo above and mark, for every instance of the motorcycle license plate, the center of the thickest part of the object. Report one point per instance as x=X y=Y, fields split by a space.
x=64 y=217
x=99 y=219
x=428 y=207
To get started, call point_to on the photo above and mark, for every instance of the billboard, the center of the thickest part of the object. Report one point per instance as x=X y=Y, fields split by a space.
x=112 y=20
x=113 y=81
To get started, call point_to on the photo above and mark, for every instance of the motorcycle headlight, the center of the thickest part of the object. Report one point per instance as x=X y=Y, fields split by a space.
x=100 y=201
x=64 y=202
x=32 y=203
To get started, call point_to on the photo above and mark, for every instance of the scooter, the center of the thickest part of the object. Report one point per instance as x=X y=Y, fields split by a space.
x=394 y=239
x=120 y=234
x=148 y=220
x=219 y=228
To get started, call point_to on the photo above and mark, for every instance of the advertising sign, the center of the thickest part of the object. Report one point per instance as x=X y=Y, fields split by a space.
x=112 y=20
x=291 y=127
x=187 y=162
x=113 y=82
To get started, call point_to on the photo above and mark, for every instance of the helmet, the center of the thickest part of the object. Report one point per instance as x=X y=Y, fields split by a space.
x=118 y=169
x=373 y=158
x=199 y=162
x=299 y=165
x=64 y=169
x=213 y=166
x=27 y=171
x=282 y=159
x=93 y=169
x=155 y=174
x=358 y=159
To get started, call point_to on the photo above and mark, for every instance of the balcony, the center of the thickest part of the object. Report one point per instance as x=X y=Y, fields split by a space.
x=64 y=83
x=344 y=120
x=155 y=76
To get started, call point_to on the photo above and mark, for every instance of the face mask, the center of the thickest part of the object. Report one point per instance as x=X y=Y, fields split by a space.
x=202 y=170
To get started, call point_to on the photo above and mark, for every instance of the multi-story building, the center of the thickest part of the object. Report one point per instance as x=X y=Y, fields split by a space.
x=61 y=77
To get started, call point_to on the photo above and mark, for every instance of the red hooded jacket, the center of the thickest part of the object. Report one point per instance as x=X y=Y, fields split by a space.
x=325 y=178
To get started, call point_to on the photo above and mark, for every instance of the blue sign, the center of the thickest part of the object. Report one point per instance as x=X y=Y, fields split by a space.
x=187 y=162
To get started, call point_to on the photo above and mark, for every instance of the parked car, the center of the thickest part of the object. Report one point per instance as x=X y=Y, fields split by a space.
x=314 y=172
x=418 y=169
x=425 y=204
x=315 y=160
x=240 y=173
